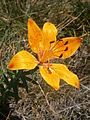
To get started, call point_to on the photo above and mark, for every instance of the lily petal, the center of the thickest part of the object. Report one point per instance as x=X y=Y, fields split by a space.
x=66 y=47
x=23 y=60
x=50 y=32
x=66 y=75
x=50 y=76
x=35 y=36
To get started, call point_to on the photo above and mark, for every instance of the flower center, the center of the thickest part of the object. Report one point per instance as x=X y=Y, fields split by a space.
x=44 y=56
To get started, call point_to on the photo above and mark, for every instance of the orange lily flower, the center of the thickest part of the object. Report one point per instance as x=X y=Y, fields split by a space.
x=44 y=44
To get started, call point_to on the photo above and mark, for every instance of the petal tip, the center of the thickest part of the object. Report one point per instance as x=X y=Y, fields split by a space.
x=10 y=66
x=80 y=39
x=56 y=88
x=30 y=20
x=77 y=85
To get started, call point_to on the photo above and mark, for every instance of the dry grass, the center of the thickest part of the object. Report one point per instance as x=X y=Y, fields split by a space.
x=42 y=102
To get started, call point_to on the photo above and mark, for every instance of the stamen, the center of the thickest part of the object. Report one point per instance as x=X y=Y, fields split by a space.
x=66 y=49
x=52 y=42
x=66 y=43
x=60 y=55
x=49 y=71
x=55 y=45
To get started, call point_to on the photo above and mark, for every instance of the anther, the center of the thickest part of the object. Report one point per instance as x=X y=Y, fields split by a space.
x=66 y=43
x=60 y=55
x=52 y=42
x=66 y=49
x=49 y=71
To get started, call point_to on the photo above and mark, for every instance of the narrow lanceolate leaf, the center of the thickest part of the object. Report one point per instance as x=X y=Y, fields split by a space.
x=23 y=60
